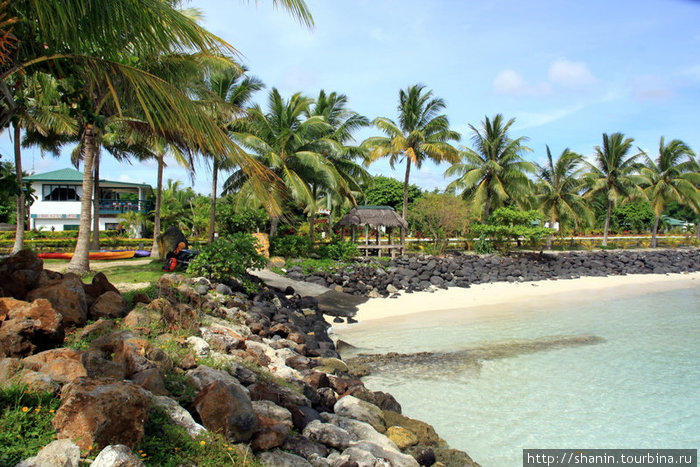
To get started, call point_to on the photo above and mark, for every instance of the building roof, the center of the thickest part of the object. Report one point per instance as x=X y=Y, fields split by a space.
x=374 y=216
x=76 y=176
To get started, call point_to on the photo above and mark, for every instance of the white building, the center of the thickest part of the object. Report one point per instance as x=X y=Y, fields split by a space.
x=57 y=198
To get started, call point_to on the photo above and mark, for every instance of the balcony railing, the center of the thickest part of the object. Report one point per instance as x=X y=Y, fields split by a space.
x=118 y=206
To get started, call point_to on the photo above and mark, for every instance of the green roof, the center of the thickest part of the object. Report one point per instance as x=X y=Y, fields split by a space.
x=75 y=176
x=63 y=175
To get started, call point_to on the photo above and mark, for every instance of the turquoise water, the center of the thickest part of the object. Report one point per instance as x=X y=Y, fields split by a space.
x=640 y=388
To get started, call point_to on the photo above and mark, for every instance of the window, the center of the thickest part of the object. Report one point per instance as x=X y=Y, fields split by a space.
x=61 y=192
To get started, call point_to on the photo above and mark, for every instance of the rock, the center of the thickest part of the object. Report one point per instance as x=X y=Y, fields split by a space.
x=67 y=297
x=281 y=395
x=203 y=376
x=8 y=369
x=426 y=434
x=108 y=305
x=98 y=328
x=199 y=346
x=386 y=401
x=100 y=412
x=273 y=411
x=132 y=354
x=454 y=457
x=402 y=437
x=59 y=453
x=424 y=455
x=269 y=434
x=395 y=458
x=328 y=434
x=223 y=289
x=277 y=262
x=140 y=317
x=358 y=409
x=98 y=366
x=152 y=380
x=28 y=327
x=61 y=365
x=221 y=338
x=317 y=380
x=332 y=365
x=19 y=273
x=225 y=408
x=305 y=447
x=391 y=288
x=100 y=285
x=360 y=430
x=178 y=415
x=169 y=239
x=140 y=297
x=117 y=456
x=279 y=458
x=36 y=381
x=201 y=289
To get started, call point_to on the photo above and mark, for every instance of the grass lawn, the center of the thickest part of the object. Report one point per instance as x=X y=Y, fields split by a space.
x=121 y=271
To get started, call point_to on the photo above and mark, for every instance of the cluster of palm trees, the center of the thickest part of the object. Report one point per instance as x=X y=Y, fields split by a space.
x=142 y=80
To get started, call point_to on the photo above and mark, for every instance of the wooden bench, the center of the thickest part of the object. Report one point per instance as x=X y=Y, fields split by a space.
x=393 y=249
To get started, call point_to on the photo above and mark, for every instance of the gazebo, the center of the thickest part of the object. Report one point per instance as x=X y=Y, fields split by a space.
x=375 y=217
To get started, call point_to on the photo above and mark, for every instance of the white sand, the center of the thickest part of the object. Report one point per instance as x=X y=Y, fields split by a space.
x=481 y=298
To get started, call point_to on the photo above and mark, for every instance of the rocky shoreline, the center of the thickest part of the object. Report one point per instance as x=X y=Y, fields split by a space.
x=259 y=369
x=421 y=273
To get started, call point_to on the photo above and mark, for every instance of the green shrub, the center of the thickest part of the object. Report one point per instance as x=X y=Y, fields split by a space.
x=340 y=250
x=25 y=423
x=291 y=246
x=483 y=246
x=228 y=257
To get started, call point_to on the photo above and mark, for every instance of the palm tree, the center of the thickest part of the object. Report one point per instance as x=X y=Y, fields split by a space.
x=112 y=33
x=494 y=171
x=612 y=174
x=37 y=109
x=673 y=176
x=558 y=190
x=343 y=123
x=423 y=132
x=225 y=93
x=290 y=145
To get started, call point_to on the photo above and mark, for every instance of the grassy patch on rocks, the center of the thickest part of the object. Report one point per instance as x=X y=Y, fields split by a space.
x=25 y=422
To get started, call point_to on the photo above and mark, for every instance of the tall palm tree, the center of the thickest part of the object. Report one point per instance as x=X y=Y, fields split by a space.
x=559 y=189
x=673 y=176
x=422 y=133
x=494 y=171
x=343 y=123
x=613 y=174
x=225 y=93
x=290 y=145
x=37 y=109
x=110 y=34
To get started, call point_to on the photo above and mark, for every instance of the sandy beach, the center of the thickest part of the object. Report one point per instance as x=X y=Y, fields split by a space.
x=481 y=299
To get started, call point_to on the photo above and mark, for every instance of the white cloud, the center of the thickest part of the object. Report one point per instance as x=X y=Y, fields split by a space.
x=650 y=88
x=526 y=120
x=570 y=75
x=510 y=82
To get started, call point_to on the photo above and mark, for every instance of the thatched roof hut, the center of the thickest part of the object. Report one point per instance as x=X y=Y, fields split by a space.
x=373 y=216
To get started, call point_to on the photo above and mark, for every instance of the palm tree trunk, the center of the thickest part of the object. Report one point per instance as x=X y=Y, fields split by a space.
x=697 y=234
x=405 y=197
x=312 y=215
x=212 y=211
x=274 y=222
x=80 y=263
x=95 y=242
x=487 y=209
x=550 y=236
x=608 y=212
x=155 y=251
x=654 y=230
x=19 y=229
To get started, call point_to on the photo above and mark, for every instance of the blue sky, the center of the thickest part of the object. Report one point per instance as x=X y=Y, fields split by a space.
x=567 y=71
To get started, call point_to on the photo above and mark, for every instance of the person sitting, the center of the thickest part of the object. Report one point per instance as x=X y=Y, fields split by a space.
x=178 y=257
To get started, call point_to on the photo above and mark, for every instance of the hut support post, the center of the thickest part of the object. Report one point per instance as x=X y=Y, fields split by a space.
x=379 y=244
x=367 y=239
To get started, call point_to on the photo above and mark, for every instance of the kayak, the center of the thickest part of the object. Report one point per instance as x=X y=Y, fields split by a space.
x=96 y=255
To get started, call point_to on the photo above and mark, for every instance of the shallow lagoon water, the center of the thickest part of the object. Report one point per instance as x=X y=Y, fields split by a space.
x=637 y=389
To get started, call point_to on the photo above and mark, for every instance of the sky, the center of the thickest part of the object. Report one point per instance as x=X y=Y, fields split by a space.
x=566 y=71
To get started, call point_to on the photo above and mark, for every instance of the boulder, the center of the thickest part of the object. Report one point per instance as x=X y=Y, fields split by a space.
x=98 y=328
x=273 y=411
x=132 y=354
x=36 y=381
x=454 y=457
x=61 y=365
x=59 y=453
x=396 y=458
x=152 y=380
x=140 y=317
x=67 y=296
x=225 y=407
x=424 y=432
x=279 y=458
x=328 y=434
x=98 y=365
x=99 y=412
x=305 y=447
x=8 y=369
x=352 y=407
x=203 y=376
x=386 y=401
x=108 y=305
x=28 y=327
x=19 y=273
x=402 y=437
x=221 y=338
x=269 y=434
x=178 y=415
x=100 y=284
x=117 y=456
x=169 y=239
x=360 y=430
